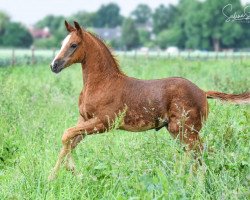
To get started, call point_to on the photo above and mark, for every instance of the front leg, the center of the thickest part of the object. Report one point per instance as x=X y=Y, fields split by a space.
x=69 y=162
x=91 y=126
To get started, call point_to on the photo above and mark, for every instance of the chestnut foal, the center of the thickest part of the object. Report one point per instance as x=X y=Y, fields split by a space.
x=174 y=103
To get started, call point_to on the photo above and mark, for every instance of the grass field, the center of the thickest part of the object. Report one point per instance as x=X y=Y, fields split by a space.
x=36 y=106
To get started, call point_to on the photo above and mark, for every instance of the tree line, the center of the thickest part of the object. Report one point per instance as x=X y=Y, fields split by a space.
x=13 y=34
x=191 y=24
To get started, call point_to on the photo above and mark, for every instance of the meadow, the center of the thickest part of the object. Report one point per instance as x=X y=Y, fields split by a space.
x=36 y=106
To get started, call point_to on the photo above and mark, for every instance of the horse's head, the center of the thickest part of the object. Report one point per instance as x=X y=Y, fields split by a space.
x=72 y=50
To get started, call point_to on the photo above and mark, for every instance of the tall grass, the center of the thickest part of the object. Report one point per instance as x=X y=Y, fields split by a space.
x=36 y=106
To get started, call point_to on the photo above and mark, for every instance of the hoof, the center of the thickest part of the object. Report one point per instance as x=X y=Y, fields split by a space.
x=79 y=176
x=52 y=176
x=70 y=166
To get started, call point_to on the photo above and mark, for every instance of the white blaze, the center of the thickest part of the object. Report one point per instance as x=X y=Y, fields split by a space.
x=64 y=43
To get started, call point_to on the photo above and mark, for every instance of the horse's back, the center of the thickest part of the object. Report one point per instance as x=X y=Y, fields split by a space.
x=166 y=89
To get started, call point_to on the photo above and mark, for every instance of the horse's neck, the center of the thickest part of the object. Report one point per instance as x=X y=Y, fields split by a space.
x=99 y=65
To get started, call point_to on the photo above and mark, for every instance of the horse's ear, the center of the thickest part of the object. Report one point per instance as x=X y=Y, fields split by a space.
x=78 y=28
x=77 y=25
x=69 y=27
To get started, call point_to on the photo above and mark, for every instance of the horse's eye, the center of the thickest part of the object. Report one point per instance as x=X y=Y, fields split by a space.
x=73 y=45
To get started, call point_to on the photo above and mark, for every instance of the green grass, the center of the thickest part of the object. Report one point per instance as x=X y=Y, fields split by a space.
x=36 y=106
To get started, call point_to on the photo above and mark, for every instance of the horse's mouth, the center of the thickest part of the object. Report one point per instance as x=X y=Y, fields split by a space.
x=57 y=69
x=57 y=66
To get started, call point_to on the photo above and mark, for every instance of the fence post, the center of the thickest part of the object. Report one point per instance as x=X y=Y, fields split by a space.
x=53 y=52
x=32 y=55
x=13 y=60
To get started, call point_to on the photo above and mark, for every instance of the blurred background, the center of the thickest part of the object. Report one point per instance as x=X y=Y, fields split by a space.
x=193 y=26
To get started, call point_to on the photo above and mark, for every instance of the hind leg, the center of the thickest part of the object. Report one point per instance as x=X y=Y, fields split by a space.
x=188 y=137
x=186 y=127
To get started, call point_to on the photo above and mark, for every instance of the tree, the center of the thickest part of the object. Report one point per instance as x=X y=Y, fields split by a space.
x=204 y=26
x=144 y=37
x=17 y=35
x=130 y=34
x=52 y=22
x=163 y=17
x=108 y=16
x=190 y=20
x=4 y=20
x=87 y=19
x=115 y=43
x=169 y=37
x=244 y=40
x=142 y=14
x=220 y=32
x=231 y=35
x=56 y=27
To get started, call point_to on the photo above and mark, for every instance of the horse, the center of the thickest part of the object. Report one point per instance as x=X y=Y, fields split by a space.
x=174 y=103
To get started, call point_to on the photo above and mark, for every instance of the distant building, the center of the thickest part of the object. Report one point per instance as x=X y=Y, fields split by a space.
x=108 y=33
x=148 y=26
x=40 y=33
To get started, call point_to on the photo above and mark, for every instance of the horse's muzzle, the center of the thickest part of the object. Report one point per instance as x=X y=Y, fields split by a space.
x=57 y=66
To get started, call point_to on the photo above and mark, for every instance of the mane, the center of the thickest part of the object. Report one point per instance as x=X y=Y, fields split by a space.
x=102 y=43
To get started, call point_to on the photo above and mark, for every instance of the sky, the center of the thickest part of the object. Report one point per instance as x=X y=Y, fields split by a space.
x=30 y=11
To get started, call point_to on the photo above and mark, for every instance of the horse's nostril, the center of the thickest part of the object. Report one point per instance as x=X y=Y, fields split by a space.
x=54 y=65
x=57 y=65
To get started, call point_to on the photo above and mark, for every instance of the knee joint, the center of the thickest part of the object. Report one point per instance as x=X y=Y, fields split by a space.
x=65 y=138
x=173 y=128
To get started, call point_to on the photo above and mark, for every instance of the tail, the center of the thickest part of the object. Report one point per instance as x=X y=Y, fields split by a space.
x=243 y=98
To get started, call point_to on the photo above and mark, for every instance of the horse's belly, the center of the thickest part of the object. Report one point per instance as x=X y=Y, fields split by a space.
x=137 y=122
x=140 y=126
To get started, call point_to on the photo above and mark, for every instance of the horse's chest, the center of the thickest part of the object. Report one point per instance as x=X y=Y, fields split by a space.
x=83 y=110
x=87 y=110
x=95 y=105
x=84 y=107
